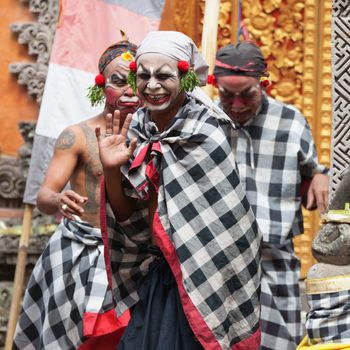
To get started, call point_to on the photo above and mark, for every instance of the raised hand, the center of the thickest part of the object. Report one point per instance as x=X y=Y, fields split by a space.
x=113 y=149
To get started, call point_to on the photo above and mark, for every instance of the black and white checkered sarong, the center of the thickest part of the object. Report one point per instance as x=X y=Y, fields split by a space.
x=68 y=280
x=280 y=297
x=328 y=320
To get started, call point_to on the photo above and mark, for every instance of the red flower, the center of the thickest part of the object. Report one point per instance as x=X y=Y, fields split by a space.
x=133 y=66
x=100 y=80
x=212 y=80
x=265 y=82
x=183 y=66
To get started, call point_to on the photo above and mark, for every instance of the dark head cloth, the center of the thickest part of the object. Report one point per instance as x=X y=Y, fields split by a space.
x=115 y=51
x=243 y=58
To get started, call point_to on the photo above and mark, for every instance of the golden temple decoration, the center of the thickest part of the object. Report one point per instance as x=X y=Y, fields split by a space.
x=295 y=38
x=277 y=26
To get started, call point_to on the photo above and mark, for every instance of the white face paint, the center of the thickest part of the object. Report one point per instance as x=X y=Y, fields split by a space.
x=158 y=82
x=118 y=93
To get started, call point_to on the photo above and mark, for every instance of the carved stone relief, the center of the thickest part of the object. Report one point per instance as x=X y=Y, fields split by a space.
x=39 y=38
x=341 y=89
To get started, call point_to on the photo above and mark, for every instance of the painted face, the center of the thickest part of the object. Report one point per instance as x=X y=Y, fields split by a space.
x=158 y=83
x=240 y=97
x=118 y=93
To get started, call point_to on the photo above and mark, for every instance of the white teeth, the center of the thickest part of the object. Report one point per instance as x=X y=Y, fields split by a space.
x=156 y=97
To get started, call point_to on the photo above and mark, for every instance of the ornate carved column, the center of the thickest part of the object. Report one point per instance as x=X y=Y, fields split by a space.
x=341 y=89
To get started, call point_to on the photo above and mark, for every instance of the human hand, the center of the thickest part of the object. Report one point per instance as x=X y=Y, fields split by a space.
x=317 y=195
x=70 y=203
x=113 y=149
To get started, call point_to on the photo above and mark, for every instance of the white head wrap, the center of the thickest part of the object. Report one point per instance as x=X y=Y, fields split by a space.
x=177 y=46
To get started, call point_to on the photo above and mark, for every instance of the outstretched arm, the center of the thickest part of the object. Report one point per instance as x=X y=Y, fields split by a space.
x=114 y=152
x=50 y=198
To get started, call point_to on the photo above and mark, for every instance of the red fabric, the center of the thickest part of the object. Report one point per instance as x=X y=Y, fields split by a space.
x=251 y=343
x=103 y=330
x=201 y=330
x=95 y=324
x=104 y=233
x=106 y=342
x=139 y=158
x=204 y=335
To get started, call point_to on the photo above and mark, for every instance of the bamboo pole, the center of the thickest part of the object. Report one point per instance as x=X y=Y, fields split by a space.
x=19 y=274
x=234 y=21
x=209 y=37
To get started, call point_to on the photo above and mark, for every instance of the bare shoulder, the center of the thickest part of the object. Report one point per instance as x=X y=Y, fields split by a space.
x=71 y=139
x=87 y=128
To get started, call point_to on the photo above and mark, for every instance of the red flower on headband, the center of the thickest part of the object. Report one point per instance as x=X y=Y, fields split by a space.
x=265 y=82
x=100 y=80
x=133 y=66
x=212 y=80
x=183 y=66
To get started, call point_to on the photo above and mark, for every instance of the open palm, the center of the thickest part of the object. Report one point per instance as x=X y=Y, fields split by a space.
x=113 y=149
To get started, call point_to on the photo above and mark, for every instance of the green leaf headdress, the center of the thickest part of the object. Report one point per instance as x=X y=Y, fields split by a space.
x=123 y=48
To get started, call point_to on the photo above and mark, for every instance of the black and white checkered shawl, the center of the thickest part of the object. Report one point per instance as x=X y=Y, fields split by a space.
x=280 y=319
x=328 y=320
x=203 y=225
x=274 y=151
x=69 y=282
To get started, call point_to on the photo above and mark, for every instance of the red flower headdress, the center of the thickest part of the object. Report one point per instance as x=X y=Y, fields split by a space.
x=265 y=82
x=212 y=80
x=188 y=79
x=95 y=92
x=132 y=76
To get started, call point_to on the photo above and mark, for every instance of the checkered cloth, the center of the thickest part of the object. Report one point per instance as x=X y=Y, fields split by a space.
x=328 y=320
x=68 y=281
x=274 y=152
x=203 y=225
x=280 y=303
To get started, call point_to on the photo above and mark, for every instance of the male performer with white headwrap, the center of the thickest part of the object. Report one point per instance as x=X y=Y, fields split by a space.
x=183 y=242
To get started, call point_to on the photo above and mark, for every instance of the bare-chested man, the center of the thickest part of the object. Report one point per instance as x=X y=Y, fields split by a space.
x=68 y=304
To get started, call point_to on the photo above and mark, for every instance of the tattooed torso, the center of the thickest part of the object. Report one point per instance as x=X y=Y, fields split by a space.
x=87 y=175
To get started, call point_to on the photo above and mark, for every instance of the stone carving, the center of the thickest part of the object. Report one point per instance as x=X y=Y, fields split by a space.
x=13 y=171
x=5 y=301
x=9 y=249
x=39 y=38
x=341 y=90
x=332 y=244
x=27 y=130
